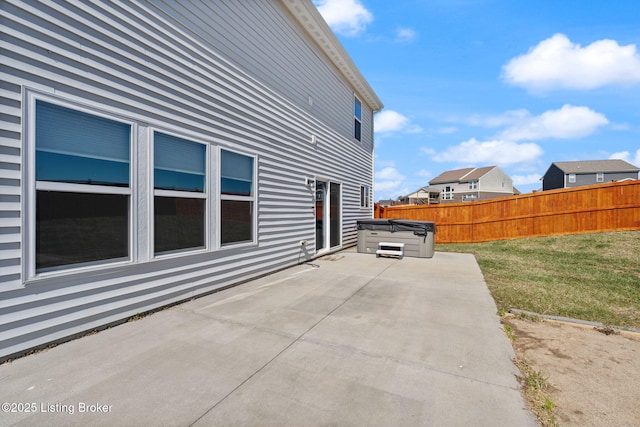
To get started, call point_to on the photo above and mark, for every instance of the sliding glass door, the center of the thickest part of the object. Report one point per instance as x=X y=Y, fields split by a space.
x=328 y=221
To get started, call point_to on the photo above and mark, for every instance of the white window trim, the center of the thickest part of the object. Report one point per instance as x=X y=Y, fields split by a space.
x=600 y=177
x=182 y=194
x=367 y=197
x=141 y=190
x=328 y=248
x=571 y=178
x=447 y=194
x=31 y=186
x=219 y=197
x=355 y=98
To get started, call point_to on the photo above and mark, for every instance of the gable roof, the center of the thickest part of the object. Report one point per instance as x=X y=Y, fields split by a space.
x=595 y=166
x=477 y=173
x=461 y=175
x=318 y=29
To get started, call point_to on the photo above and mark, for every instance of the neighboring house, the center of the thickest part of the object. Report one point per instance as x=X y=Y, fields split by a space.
x=587 y=172
x=464 y=185
x=153 y=151
x=422 y=196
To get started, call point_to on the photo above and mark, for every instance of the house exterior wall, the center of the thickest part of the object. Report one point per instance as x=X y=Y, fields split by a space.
x=457 y=188
x=591 y=178
x=495 y=181
x=227 y=74
x=554 y=178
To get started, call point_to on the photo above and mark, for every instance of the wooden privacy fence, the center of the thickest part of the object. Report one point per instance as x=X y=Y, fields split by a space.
x=593 y=208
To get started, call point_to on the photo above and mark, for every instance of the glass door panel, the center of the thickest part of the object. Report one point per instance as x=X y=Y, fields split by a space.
x=320 y=211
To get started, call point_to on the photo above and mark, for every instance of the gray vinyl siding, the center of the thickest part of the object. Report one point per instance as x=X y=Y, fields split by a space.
x=10 y=179
x=262 y=51
x=591 y=178
x=581 y=179
x=556 y=178
x=619 y=176
x=235 y=74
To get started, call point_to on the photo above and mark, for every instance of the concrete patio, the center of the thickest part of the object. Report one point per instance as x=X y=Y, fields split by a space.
x=350 y=339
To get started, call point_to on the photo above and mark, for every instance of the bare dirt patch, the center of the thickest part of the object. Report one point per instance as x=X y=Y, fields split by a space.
x=593 y=377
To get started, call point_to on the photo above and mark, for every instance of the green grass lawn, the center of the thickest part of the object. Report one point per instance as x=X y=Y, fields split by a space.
x=593 y=277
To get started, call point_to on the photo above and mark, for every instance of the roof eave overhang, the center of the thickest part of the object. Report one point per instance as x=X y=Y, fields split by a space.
x=311 y=20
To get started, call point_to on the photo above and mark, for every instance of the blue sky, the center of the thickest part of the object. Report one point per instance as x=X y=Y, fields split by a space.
x=518 y=84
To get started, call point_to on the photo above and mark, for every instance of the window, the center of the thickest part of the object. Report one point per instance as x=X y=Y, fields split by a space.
x=473 y=185
x=365 y=196
x=94 y=184
x=179 y=177
x=357 y=113
x=600 y=177
x=83 y=190
x=447 y=193
x=237 y=197
x=572 y=178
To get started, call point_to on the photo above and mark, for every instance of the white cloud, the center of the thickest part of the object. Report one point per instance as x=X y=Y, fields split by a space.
x=490 y=152
x=405 y=35
x=388 y=183
x=346 y=17
x=532 y=178
x=557 y=63
x=504 y=119
x=568 y=122
x=620 y=126
x=389 y=121
x=625 y=155
x=389 y=173
x=428 y=151
x=447 y=130
x=424 y=173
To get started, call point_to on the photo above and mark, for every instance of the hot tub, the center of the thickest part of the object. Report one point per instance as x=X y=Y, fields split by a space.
x=417 y=236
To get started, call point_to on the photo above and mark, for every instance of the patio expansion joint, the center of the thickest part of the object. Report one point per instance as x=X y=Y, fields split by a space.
x=232 y=322
x=286 y=348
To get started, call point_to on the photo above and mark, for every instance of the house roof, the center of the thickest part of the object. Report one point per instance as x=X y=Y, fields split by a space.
x=318 y=29
x=461 y=175
x=451 y=176
x=594 y=166
x=477 y=173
